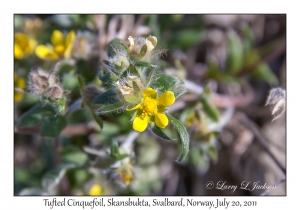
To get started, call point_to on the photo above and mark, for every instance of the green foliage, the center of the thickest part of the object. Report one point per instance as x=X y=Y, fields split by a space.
x=37 y=115
x=53 y=126
x=184 y=137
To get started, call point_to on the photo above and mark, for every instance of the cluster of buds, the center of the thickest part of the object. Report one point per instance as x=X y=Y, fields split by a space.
x=45 y=84
x=47 y=87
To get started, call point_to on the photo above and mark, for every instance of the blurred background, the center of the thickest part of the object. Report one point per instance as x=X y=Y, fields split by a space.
x=229 y=63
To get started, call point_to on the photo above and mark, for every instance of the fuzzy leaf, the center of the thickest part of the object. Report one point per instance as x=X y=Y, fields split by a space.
x=144 y=64
x=179 y=91
x=53 y=126
x=116 y=47
x=110 y=109
x=109 y=97
x=159 y=132
x=131 y=71
x=163 y=83
x=36 y=115
x=211 y=111
x=143 y=51
x=96 y=117
x=184 y=137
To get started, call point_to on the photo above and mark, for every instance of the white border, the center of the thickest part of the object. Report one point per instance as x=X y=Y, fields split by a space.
x=152 y=6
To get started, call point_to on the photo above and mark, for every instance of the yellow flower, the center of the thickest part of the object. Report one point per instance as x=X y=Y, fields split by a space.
x=61 y=46
x=95 y=190
x=19 y=83
x=23 y=45
x=151 y=109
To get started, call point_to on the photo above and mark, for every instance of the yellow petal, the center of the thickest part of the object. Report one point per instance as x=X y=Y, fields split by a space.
x=134 y=108
x=140 y=124
x=148 y=92
x=131 y=42
x=32 y=45
x=69 y=44
x=22 y=40
x=18 y=96
x=95 y=190
x=57 y=38
x=20 y=83
x=46 y=53
x=161 y=120
x=59 y=49
x=18 y=52
x=167 y=98
x=151 y=42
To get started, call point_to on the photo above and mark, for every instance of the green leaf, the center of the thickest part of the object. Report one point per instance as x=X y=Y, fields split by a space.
x=179 y=91
x=147 y=75
x=213 y=153
x=96 y=117
x=131 y=71
x=160 y=133
x=114 y=108
x=235 y=56
x=187 y=38
x=114 y=151
x=111 y=96
x=105 y=77
x=143 y=51
x=184 y=137
x=144 y=64
x=263 y=72
x=163 y=83
x=53 y=126
x=116 y=47
x=211 y=111
x=36 y=115
x=81 y=84
x=74 y=156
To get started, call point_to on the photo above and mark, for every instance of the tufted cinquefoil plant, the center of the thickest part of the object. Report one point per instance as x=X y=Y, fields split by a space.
x=134 y=84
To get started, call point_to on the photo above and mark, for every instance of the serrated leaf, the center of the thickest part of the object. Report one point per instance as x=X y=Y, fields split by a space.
x=36 y=115
x=163 y=83
x=184 y=137
x=160 y=133
x=263 y=72
x=111 y=96
x=179 y=91
x=114 y=108
x=211 y=111
x=235 y=56
x=53 y=126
